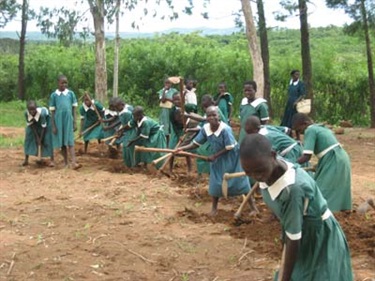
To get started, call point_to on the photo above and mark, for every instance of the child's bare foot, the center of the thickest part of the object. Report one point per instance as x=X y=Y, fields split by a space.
x=76 y=166
x=213 y=213
x=25 y=163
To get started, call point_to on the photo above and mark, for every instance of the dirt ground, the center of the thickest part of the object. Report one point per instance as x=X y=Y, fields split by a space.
x=106 y=222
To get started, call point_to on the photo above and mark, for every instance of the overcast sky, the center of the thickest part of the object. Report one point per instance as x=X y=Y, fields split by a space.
x=219 y=11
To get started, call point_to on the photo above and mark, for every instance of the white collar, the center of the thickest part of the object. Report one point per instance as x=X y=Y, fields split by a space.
x=254 y=103
x=263 y=131
x=37 y=115
x=65 y=92
x=86 y=108
x=139 y=123
x=110 y=112
x=293 y=82
x=208 y=131
x=124 y=110
x=287 y=179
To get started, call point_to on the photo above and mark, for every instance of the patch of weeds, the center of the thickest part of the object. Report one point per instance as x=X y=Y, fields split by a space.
x=185 y=277
x=143 y=198
x=232 y=259
x=197 y=204
x=8 y=142
x=186 y=247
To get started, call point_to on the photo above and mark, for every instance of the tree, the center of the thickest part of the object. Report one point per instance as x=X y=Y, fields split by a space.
x=8 y=10
x=21 y=58
x=252 y=38
x=117 y=46
x=291 y=7
x=363 y=14
x=265 y=53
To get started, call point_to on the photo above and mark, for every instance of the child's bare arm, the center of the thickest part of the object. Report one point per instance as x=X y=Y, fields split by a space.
x=291 y=251
x=218 y=154
x=304 y=158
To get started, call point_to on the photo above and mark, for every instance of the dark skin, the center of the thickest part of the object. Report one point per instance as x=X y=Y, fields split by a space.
x=62 y=85
x=197 y=117
x=249 y=93
x=268 y=169
x=137 y=116
x=167 y=86
x=300 y=128
x=222 y=91
x=214 y=120
x=39 y=139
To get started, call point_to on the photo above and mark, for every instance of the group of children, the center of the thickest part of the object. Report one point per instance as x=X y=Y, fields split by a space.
x=268 y=154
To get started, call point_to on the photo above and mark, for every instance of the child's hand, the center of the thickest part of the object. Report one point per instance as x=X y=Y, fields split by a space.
x=211 y=158
x=54 y=130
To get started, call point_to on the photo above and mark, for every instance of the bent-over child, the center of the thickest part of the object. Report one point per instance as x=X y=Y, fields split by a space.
x=62 y=105
x=38 y=133
x=314 y=245
x=333 y=172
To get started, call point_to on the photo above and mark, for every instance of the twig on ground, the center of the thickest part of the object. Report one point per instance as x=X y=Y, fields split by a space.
x=140 y=256
x=11 y=264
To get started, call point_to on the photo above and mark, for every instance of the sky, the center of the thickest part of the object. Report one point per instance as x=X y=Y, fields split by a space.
x=220 y=15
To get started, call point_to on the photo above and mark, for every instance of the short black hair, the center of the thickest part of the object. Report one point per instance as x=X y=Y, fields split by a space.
x=138 y=109
x=294 y=71
x=61 y=76
x=255 y=145
x=176 y=94
x=30 y=103
x=207 y=98
x=253 y=121
x=300 y=118
x=252 y=83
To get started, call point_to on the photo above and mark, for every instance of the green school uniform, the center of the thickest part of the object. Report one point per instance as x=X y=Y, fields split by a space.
x=281 y=143
x=224 y=103
x=258 y=107
x=164 y=117
x=151 y=136
x=89 y=118
x=126 y=119
x=38 y=122
x=298 y=203
x=333 y=173
x=62 y=104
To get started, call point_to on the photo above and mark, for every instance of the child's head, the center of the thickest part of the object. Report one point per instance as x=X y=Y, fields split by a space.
x=222 y=87
x=176 y=99
x=138 y=113
x=212 y=115
x=257 y=157
x=300 y=122
x=112 y=104
x=31 y=107
x=252 y=125
x=295 y=74
x=177 y=116
x=119 y=104
x=249 y=89
x=86 y=100
x=206 y=101
x=167 y=84
x=189 y=84
x=62 y=82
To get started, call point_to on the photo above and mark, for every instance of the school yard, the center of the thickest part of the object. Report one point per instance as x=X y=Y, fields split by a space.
x=105 y=222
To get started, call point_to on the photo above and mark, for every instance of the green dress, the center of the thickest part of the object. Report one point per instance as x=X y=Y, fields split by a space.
x=62 y=104
x=224 y=103
x=165 y=112
x=281 y=143
x=203 y=167
x=177 y=129
x=89 y=118
x=299 y=205
x=151 y=136
x=126 y=119
x=257 y=107
x=109 y=114
x=296 y=90
x=39 y=121
x=333 y=173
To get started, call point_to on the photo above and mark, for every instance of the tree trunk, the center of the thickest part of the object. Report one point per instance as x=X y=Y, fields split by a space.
x=369 y=63
x=98 y=12
x=265 y=54
x=253 y=47
x=116 y=56
x=305 y=52
x=21 y=58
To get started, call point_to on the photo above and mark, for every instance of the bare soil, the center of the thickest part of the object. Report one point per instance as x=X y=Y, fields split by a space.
x=107 y=222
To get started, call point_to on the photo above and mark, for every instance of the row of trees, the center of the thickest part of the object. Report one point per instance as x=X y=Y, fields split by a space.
x=360 y=10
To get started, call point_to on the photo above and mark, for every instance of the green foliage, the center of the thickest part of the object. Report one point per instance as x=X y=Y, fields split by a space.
x=12 y=114
x=8 y=10
x=338 y=61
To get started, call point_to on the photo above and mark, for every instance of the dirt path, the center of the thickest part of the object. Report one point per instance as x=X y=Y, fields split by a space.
x=106 y=222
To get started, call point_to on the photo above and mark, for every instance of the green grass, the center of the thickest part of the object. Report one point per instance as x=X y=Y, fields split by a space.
x=12 y=114
x=8 y=142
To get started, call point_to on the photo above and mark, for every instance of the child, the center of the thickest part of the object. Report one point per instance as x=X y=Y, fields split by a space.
x=91 y=112
x=224 y=160
x=315 y=247
x=149 y=134
x=62 y=105
x=111 y=122
x=224 y=101
x=165 y=97
x=190 y=96
x=333 y=172
x=38 y=133
x=281 y=143
x=252 y=106
x=127 y=130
